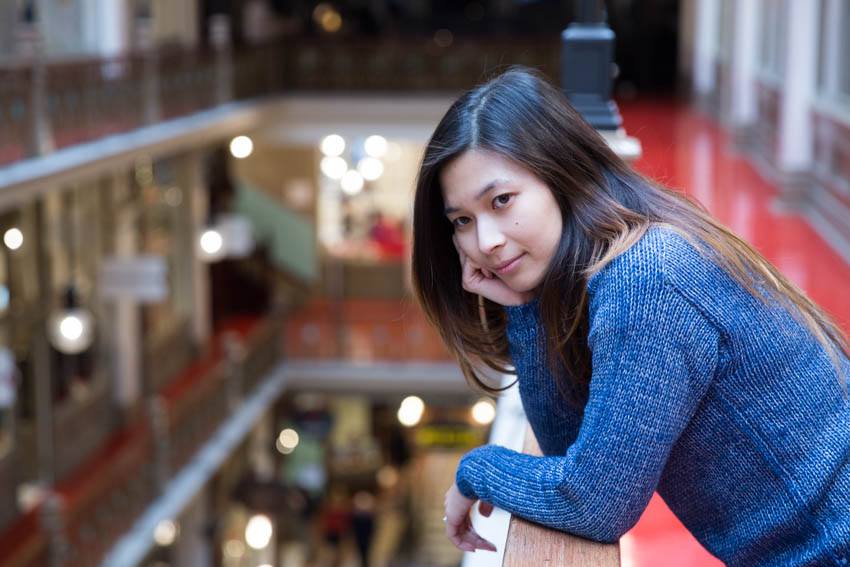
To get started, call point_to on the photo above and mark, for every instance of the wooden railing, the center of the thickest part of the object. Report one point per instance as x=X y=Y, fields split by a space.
x=532 y=545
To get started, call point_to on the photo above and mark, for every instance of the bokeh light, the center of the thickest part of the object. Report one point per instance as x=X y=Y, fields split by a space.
x=484 y=411
x=13 y=238
x=375 y=146
x=332 y=145
x=258 y=531
x=352 y=182
x=370 y=168
x=241 y=147
x=333 y=166
x=165 y=533
x=410 y=411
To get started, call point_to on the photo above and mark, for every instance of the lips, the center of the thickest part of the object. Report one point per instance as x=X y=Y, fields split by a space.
x=507 y=266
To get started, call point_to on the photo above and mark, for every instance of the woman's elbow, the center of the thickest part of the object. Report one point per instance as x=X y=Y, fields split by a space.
x=605 y=525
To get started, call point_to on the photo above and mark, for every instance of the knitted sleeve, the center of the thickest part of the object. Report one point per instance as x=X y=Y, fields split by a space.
x=653 y=357
x=555 y=421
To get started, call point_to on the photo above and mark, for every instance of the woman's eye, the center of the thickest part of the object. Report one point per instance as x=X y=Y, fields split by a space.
x=460 y=221
x=502 y=200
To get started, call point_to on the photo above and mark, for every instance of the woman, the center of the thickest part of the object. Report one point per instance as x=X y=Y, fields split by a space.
x=654 y=349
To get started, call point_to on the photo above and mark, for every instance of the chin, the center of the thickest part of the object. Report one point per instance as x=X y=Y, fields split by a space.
x=523 y=286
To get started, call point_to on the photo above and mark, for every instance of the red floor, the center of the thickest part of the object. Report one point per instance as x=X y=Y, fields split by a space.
x=685 y=150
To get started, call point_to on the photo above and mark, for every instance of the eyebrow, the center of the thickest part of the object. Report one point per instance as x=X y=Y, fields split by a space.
x=487 y=188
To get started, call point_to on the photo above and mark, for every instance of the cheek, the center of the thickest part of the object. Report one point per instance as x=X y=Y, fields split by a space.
x=466 y=243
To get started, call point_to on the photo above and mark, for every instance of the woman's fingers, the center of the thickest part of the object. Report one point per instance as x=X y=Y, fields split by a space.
x=459 y=528
x=469 y=540
x=480 y=280
x=485 y=508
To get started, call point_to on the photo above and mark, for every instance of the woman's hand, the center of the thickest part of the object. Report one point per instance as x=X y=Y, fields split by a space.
x=479 y=280
x=459 y=525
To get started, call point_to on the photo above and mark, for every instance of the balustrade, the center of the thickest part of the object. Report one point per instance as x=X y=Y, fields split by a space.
x=87 y=98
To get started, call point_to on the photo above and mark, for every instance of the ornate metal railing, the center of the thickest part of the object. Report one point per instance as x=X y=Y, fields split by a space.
x=82 y=517
x=83 y=99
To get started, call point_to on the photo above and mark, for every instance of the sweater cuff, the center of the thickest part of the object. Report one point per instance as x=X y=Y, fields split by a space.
x=473 y=469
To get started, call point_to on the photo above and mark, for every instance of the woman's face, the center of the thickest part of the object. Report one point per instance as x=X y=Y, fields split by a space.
x=505 y=218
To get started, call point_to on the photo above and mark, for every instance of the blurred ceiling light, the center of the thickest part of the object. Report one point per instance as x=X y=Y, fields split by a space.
x=282 y=449
x=375 y=145
x=334 y=167
x=13 y=239
x=352 y=182
x=165 y=533
x=370 y=168
x=410 y=411
x=332 y=145
x=320 y=10
x=71 y=331
x=258 y=531
x=211 y=245
x=331 y=20
x=484 y=411
x=443 y=37
x=241 y=147
x=288 y=438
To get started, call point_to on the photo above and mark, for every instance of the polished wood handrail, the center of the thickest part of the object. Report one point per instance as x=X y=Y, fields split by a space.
x=531 y=545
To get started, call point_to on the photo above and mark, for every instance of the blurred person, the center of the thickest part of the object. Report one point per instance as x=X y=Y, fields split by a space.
x=336 y=521
x=363 y=524
x=655 y=350
x=387 y=236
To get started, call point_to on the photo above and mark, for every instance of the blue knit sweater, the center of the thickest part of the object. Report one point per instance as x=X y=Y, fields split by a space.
x=727 y=407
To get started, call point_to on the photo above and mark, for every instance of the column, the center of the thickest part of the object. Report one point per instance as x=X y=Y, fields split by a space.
x=146 y=45
x=744 y=107
x=198 y=197
x=127 y=323
x=111 y=25
x=29 y=43
x=705 y=38
x=219 y=28
x=795 y=130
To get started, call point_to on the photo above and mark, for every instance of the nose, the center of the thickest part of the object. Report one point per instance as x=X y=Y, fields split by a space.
x=490 y=236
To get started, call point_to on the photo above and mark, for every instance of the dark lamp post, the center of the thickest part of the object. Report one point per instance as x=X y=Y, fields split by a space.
x=587 y=63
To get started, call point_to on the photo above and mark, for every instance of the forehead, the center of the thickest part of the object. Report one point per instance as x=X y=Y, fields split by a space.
x=466 y=175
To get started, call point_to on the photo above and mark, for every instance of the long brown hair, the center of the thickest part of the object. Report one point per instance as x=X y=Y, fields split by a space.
x=606 y=207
